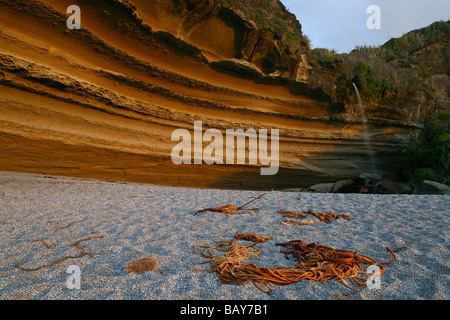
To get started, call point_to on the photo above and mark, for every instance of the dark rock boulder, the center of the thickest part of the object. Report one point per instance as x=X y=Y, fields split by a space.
x=356 y=185
x=431 y=187
x=371 y=178
x=321 y=188
x=394 y=187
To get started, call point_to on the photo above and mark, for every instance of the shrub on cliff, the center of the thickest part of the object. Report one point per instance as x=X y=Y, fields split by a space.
x=392 y=73
x=427 y=151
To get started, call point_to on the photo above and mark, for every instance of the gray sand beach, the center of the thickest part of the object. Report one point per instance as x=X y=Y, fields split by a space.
x=129 y=221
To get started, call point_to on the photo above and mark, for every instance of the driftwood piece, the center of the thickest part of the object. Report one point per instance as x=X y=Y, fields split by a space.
x=232 y=209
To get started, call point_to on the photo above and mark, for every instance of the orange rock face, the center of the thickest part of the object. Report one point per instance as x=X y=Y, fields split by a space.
x=102 y=101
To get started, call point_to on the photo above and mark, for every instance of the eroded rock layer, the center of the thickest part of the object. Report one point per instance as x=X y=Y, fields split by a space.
x=103 y=101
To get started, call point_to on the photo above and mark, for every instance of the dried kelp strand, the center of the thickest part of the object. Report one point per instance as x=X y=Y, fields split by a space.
x=45 y=243
x=327 y=217
x=314 y=262
x=296 y=223
x=232 y=209
x=251 y=237
x=53 y=263
x=81 y=240
x=292 y=214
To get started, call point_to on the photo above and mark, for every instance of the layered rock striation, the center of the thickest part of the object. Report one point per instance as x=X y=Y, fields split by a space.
x=103 y=101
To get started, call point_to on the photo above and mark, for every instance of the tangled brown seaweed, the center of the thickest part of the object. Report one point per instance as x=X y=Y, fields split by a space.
x=227 y=209
x=251 y=237
x=315 y=262
x=292 y=214
x=327 y=217
x=324 y=217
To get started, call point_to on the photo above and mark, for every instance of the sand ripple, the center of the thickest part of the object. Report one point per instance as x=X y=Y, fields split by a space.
x=140 y=220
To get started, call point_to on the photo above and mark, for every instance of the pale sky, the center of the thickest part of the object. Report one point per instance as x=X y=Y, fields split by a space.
x=341 y=24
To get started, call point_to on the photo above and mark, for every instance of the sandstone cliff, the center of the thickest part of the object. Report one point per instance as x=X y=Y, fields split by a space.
x=103 y=101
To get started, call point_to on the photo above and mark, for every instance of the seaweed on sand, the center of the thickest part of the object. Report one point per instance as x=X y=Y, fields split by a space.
x=327 y=217
x=232 y=209
x=76 y=245
x=315 y=262
x=292 y=214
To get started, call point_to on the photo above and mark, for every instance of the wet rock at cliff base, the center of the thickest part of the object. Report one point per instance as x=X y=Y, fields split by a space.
x=356 y=185
x=431 y=187
x=371 y=178
x=293 y=190
x=394 y=187
x=321 y=187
